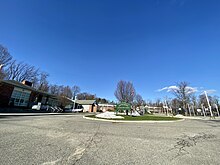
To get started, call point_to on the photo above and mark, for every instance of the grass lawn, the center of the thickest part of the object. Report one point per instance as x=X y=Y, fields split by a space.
x=145 y=117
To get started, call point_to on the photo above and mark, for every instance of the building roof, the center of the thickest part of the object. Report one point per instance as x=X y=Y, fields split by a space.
x=23 y=86
x=107 y=105
x=18 y=84
x=86 y=102
x=83 y=102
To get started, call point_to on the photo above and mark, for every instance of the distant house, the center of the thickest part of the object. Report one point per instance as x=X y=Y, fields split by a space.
x=153 y=109
x=106 y=107
x=86 y=105
x=16 y=94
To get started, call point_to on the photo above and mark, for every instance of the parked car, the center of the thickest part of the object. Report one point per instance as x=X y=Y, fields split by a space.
x=73 y=110
x=77 y=110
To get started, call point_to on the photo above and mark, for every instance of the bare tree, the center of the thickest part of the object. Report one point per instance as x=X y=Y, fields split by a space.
x=54 y=89
x=15 y=70
x=20 y=71
x=66 y=92
x=43 y=82
x=86 y=96
x=175 y=105
x=183 y=93
x=75 y=90
x=125 y=92
x=35 y=81
x=63 y=93
x=139 y=100
x=157 y=102
x=216 y=100
x=5 y=57
x=102 y=100
x=29 y=73
x=203 y=100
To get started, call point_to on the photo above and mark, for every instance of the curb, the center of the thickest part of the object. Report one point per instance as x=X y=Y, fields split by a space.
x=199 y=118
x=132 y=121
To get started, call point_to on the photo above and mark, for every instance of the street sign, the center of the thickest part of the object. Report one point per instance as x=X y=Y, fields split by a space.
x=123 y=106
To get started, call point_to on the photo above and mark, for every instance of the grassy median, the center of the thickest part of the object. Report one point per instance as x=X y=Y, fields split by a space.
x=145 y=117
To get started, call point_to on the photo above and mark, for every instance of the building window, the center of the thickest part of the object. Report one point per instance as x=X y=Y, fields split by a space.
x=20 y=97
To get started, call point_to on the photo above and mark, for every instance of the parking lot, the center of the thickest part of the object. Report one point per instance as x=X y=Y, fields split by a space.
x=70 y=139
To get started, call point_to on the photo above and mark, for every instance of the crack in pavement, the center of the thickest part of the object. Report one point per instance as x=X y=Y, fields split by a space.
x=187 y=141
x=51 y=162
x=81 y=149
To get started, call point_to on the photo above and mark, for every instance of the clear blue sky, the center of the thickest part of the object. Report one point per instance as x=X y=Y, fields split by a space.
x=94 y=44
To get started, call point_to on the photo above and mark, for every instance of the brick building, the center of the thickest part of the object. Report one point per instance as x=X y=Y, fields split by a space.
x=88 y=105
x=16 y=94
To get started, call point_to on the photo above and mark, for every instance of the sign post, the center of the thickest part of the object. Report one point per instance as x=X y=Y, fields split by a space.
x=123 y=106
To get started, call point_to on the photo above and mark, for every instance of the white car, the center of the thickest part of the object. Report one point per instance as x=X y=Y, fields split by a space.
x=77 y=110
x=73 y=110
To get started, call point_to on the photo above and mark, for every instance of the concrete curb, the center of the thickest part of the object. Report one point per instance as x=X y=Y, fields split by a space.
x=36 y=114
x=199 y=118
x=130 y=121
x=26 y=114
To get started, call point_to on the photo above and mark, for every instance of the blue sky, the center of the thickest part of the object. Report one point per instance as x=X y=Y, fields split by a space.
x=94 y=44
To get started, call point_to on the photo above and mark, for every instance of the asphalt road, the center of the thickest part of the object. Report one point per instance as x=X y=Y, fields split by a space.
x=70 y=139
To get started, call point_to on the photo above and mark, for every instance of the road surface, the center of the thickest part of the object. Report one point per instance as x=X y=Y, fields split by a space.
x=70 y=139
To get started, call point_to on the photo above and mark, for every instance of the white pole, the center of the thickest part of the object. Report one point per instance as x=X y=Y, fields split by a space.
x=193 y=110
x=210 y=108
x=189 y=110
x=203 y=110
x=74 y=103
x=217 y=109
x=167 y=107
x=1 y=66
